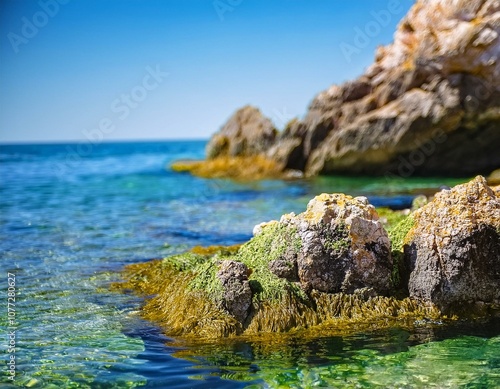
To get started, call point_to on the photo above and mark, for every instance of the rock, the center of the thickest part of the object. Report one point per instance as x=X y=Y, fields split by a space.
x=246 y=133
x=237 y=295
x=286 y=269
x=453 y=248
x=344 y=246
x=494 y=177
x=253 y=167
x=429 y=102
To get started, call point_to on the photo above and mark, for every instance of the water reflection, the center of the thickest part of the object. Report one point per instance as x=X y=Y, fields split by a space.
x=426 y=354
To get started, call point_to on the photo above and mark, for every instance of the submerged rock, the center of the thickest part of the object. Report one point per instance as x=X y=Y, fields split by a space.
x=453 y=248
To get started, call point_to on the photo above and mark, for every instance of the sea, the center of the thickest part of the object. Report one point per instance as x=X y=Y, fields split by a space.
x=72 y=216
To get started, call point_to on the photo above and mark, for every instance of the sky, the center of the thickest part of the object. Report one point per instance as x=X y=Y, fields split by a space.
x=111 y=70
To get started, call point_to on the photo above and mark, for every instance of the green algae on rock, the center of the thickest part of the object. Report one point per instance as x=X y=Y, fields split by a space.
x=332 y=268
x=397 y=235
x=190 y=313
x=270 y=284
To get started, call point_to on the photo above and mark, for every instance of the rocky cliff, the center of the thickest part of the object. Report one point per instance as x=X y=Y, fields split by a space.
x=428 y=105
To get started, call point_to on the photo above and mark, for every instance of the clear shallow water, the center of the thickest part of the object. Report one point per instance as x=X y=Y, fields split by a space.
x=68 y=225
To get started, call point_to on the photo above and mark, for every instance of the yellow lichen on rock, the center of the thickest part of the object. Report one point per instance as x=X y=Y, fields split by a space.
x=453 y=248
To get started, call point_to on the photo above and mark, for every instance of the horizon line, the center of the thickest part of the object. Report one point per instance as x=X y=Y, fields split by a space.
x=74 y=142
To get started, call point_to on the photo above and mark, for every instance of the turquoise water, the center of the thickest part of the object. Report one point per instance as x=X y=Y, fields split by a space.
x=70 y=222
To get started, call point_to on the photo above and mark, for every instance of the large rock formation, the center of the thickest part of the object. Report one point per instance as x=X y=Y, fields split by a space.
x=429 y=104
x=453 y=249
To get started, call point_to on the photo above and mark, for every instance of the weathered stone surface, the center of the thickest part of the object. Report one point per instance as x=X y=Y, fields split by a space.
x=344 y=246
x=453 y=249
x=246 y=133
x=428 y=105
x=286 y=269
x=433 y=100
x=237 y=295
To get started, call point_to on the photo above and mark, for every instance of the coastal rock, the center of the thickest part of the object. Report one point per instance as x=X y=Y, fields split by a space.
x=283 y=268
x=429 y=103
x=237 y=295
x=494 y=177
x=453 y=248
x=344 y=246
x=246 y=133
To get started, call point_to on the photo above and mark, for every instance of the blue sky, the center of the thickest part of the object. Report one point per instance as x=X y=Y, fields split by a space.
x=175 y=69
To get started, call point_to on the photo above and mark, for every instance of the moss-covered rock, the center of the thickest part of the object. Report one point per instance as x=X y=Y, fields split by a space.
x=258 y=287
x=186 y=301
x=397 y=235
x=327 y=269
x=344 y=245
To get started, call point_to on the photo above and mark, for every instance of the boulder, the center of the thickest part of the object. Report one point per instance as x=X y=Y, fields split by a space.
x=237 y=294
x=343 y=246
x=246 y=133
x=453 y=248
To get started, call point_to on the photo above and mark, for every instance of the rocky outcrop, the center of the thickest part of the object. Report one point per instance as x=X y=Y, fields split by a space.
x=329 y=263
x=428 y=105
x=246 y=133
x=343 y=246
x=429 y=102
x=332 y=265
x=453 y=248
